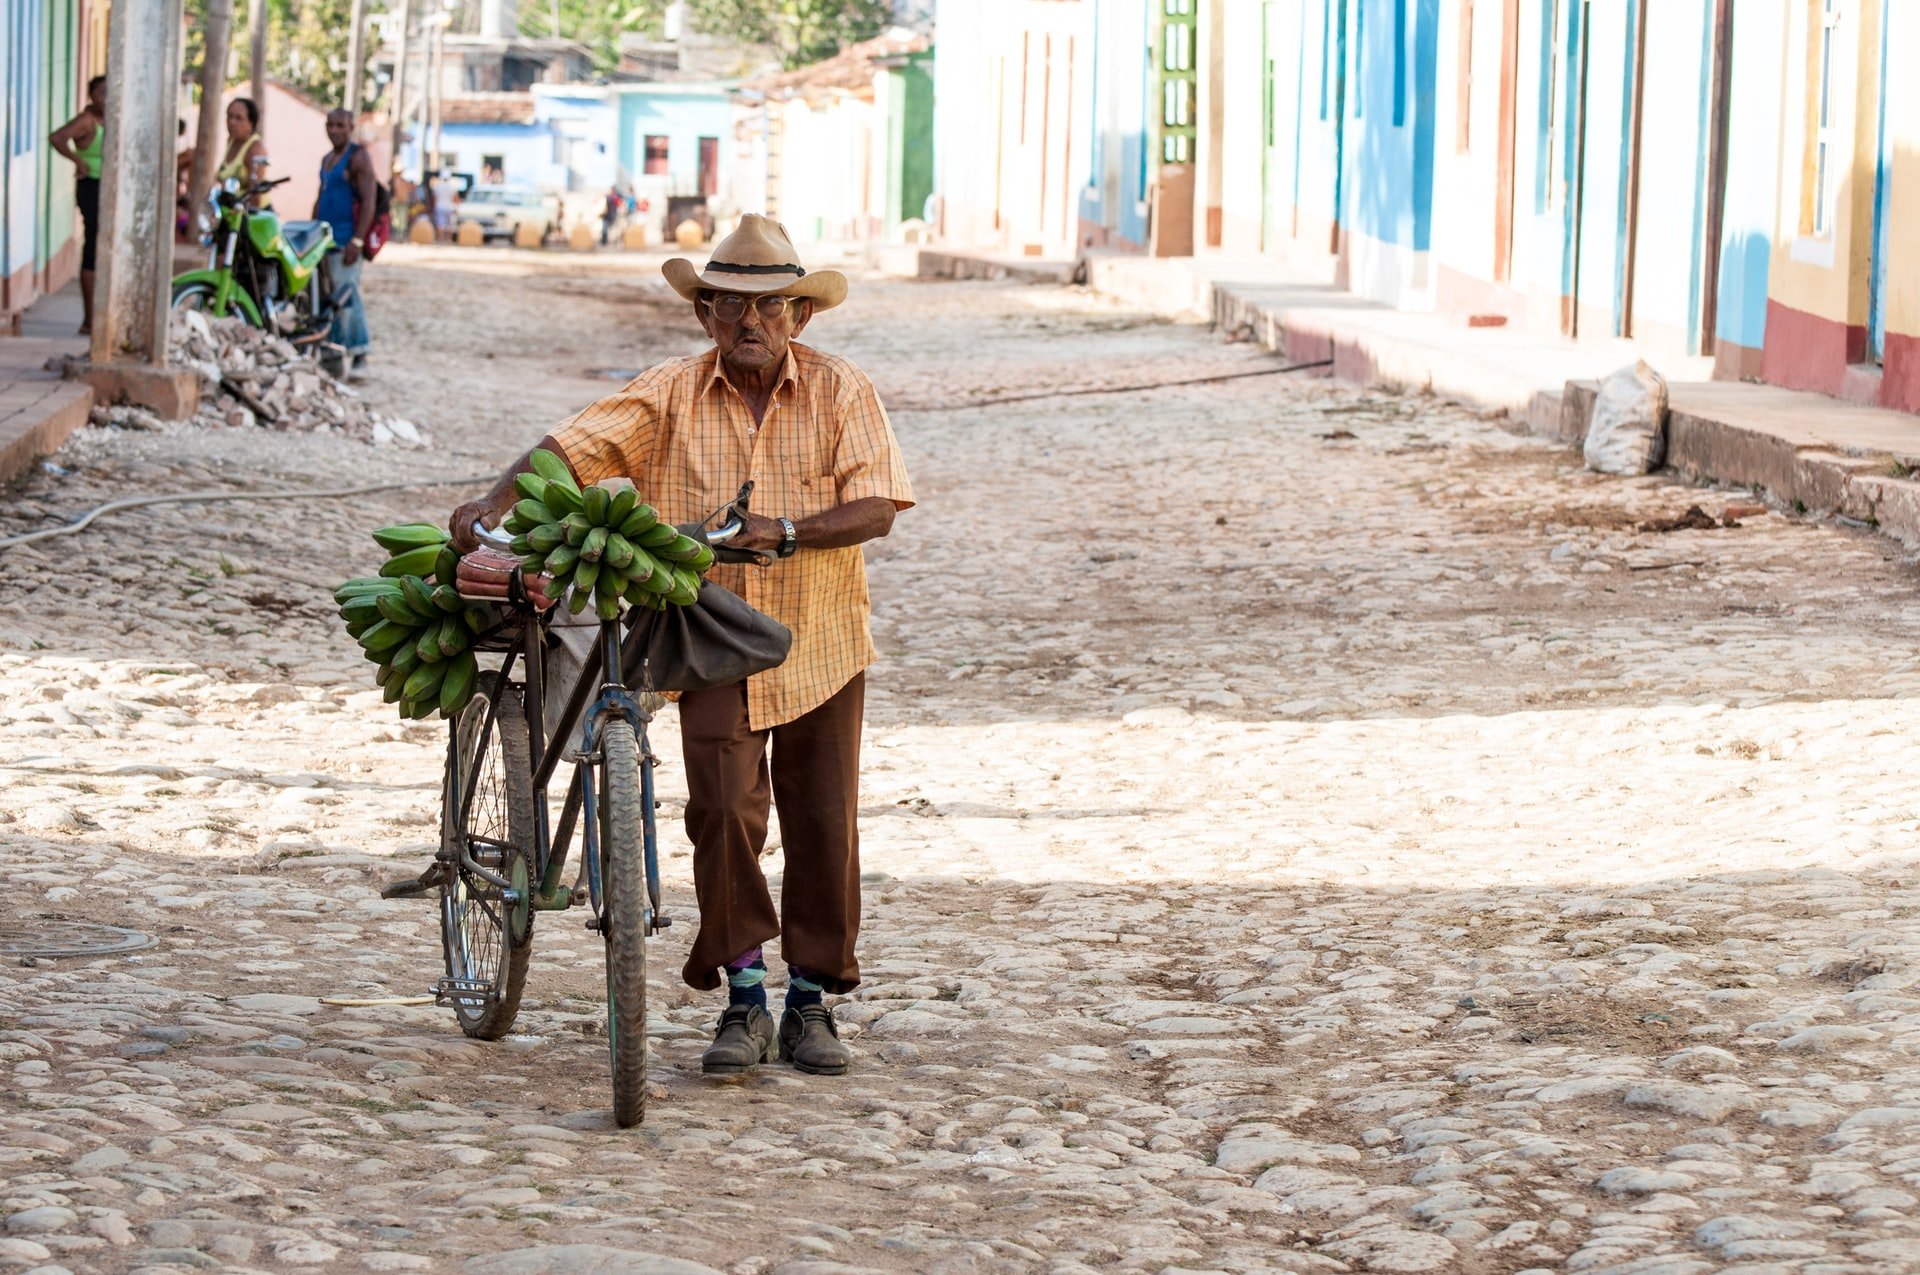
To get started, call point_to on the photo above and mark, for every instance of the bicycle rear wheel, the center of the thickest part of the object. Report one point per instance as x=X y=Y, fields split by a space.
x=624 y=917
x=488 y=940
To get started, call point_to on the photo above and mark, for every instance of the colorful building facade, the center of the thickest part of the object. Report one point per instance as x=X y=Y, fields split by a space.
x=1738 y=178
x=48 y=49
x=1013 y=81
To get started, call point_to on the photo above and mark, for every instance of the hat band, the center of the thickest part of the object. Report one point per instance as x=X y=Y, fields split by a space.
x=730 y=268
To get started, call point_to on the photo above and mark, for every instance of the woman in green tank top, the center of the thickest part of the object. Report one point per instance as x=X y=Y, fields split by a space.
x=82 y=139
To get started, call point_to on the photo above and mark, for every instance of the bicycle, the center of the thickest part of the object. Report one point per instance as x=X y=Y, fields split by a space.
x=499 y=862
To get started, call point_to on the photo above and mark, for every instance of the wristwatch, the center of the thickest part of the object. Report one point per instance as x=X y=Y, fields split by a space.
x=791 y=541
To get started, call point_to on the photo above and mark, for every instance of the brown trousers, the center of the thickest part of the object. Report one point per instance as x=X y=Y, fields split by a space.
x=815 y=782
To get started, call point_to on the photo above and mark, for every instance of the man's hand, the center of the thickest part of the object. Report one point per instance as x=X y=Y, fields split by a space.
x=460 y=525
x=761 y=532
x=488 y=573
x=350 y=254
x=491 y=508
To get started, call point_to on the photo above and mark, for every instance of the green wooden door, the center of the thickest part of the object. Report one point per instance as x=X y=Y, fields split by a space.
x=1177 y=81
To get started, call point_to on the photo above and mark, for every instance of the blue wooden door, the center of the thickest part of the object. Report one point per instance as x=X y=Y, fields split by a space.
x=1882 y=172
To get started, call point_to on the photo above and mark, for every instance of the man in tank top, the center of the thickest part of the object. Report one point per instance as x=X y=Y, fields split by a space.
x=346 y=203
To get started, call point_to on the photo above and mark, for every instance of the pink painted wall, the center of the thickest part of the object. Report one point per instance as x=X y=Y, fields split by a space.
x=296 y=134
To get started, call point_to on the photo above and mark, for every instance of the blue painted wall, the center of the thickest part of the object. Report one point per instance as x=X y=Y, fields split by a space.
x=1670 y=235
x=1113 y=196
x=1307 y=75
x=1387 y=168
x=1753 y=174
x=526 y=151
x=683 y=115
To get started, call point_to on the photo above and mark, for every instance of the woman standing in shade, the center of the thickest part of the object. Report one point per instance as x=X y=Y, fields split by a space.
x=82 y=139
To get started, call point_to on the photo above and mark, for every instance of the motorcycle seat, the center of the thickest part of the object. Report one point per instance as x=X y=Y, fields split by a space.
x=301 y=236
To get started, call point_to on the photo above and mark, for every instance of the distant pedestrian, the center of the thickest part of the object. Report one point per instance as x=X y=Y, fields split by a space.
x=182 y=183
x=440 y=198
x=246 y=153
x=82 y=139
x=616 y=204
x=347 y=203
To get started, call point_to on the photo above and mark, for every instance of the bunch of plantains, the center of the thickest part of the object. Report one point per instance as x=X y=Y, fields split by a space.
x=606 y=548
x=413 y=624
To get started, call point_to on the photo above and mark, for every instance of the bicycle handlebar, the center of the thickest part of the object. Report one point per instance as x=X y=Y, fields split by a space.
x=720 y=535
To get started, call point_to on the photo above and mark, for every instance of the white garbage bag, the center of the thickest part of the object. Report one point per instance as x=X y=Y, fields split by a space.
x=1628 y=434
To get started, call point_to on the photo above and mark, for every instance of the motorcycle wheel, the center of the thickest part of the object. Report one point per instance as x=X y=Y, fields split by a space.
x=193 y=296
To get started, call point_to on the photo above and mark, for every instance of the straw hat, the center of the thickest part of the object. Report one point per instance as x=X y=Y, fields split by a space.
x=757 y=257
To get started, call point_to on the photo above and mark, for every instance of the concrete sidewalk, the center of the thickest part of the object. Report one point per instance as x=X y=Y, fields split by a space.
x=1806 y=451
x=38 y=409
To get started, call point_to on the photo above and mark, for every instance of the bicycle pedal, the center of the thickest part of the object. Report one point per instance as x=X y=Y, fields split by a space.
x=433 y=878
x=455 y=992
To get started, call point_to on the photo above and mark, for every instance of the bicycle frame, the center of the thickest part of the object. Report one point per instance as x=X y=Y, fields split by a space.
x=546 y=752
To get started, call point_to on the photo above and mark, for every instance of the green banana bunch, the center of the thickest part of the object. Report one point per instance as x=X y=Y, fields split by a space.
x=411 y=621
x=604 y=549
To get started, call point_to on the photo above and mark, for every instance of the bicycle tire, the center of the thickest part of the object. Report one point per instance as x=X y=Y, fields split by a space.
x=625 y=886
x=485 y=941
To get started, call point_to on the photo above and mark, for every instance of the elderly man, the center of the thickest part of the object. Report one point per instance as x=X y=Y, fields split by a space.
x=809 y=431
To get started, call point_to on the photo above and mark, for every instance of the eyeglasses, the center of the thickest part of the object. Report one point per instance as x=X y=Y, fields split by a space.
x=731 y=307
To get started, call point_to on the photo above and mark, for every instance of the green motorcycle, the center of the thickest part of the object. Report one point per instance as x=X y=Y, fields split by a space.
x=271 y=273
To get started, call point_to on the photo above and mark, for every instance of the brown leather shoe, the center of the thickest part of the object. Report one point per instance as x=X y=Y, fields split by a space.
x=810 y=1041
x=743 y=1041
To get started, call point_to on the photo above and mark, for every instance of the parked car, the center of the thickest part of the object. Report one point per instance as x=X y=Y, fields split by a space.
x=500 y=211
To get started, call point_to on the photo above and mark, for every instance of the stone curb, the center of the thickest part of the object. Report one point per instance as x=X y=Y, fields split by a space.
x=1865 y=484
x=36 y=418
x=1828 y=475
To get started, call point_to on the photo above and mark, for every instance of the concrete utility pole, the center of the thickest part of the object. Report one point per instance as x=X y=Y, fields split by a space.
x=397 y=87
x=356 y=55
x=436 y=71
x=129 y=350
x=213 y=88
x=257 y=57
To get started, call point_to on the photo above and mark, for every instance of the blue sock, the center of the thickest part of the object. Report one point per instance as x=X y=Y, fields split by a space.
x=801 y=990
x=746 y=980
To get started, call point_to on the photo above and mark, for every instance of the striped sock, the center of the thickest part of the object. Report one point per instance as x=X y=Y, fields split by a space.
x=801 y=990
x=746 y=980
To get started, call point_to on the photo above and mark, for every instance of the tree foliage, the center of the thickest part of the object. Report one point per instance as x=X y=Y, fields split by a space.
x=804 y=31
x=598 y=24
x=306 y=44
x=307 y=39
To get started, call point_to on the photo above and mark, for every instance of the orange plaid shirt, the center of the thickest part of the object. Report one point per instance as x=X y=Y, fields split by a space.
x=685 y=438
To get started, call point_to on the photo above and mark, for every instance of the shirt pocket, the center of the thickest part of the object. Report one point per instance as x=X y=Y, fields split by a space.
x=813 y=494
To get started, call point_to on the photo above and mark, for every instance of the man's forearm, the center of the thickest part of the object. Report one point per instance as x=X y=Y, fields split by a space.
x=493 y=506
x=844 y=526
x=503 y=496
x=363 y=209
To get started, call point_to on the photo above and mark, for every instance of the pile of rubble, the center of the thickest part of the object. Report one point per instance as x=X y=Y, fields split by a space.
x=255 y=379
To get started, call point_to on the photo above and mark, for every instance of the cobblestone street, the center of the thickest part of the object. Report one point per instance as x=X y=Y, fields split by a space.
x=1304 y=829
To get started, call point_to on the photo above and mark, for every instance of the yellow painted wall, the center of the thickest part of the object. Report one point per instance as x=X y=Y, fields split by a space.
x=1826 y=274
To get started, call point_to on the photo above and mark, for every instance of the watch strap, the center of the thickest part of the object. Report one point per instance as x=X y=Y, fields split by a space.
x=791 y=540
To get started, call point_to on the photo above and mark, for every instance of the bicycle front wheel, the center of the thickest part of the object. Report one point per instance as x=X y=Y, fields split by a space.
x=624 y=918
x=488 y=936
